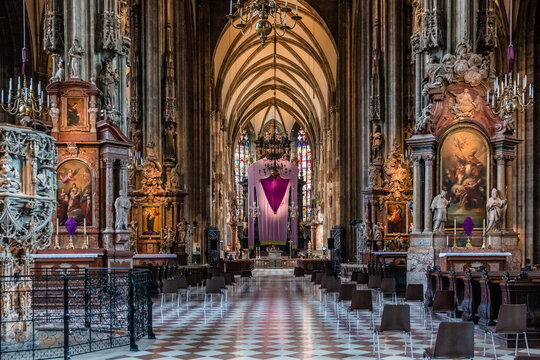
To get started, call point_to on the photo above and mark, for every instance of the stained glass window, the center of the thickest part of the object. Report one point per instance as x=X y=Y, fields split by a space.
x=304 y=169
x=241 y=163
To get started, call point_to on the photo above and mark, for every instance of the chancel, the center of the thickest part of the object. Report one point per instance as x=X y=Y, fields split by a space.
x=277 y=179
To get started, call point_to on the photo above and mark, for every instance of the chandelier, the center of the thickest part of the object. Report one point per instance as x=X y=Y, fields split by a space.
x=23 y=101
x=511 y=94
x=274 y=146
x=262 y=10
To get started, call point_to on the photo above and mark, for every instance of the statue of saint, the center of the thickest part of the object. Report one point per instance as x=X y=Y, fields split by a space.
x=59 y=74
x=109 y=79
x=438 y=207
x=496 y=210
x=75 y=53
x=181 y=231
x=122 y=206
x=378 y=235
x=376 y=143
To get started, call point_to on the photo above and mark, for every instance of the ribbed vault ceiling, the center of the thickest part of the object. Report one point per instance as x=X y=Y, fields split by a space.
x=305 y=76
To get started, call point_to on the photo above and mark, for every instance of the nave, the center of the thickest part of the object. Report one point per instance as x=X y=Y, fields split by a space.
x=276 y=317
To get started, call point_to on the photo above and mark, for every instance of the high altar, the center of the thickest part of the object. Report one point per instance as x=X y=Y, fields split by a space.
x=272 y=190
x=462 y=155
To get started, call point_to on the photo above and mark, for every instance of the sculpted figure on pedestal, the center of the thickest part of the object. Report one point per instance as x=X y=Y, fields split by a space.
x=438 y=207
x=376 y=144
x=76 y=53
x=496 y=210
x=122 y=206
x=378 y=235
x=181 y=232
x=108 y=79
x=59 y=74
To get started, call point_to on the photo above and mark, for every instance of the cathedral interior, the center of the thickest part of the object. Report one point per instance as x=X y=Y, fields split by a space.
x=160 y=147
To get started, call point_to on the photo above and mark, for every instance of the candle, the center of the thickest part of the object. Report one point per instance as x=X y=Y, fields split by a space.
x=39 y=87
x=455 y=226
x=10 y=84
x=84 y=221
x=296 y=7
x=484 y=227
x=230 y=7
x=447 y=241
x=2 y=96
x=86 y=240
x=57 y=225
x=18 y=82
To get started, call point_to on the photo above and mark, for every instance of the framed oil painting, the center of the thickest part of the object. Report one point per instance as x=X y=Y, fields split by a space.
x=396 y=218
x=465 y=164
x=74 y=192
x=151 y=221
x=75 y=114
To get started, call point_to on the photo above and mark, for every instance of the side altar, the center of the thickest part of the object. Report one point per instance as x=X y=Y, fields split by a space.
x=462 y=156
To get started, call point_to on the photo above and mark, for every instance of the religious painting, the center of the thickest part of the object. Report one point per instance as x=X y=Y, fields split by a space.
x=75 y=112
x=74 y=192
x=464 y=175
x=151 y=221
x=396 y=218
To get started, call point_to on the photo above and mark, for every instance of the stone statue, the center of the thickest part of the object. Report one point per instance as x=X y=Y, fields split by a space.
x=175 y=176
x=438 y=207
x=181 y=231
x=378 y=235
x=122 y=206
x=423 y=121
x=76 y=53
x=10 y=180
x=108 y=79
x=169 y=141
x=376 y=144
x=167 y=242
x=59 y=74
x=496 y=211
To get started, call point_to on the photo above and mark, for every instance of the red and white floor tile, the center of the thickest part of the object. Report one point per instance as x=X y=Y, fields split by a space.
x=276 y=318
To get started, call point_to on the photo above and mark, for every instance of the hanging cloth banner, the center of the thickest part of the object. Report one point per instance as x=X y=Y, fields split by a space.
x=274 y=189
x=273 y=203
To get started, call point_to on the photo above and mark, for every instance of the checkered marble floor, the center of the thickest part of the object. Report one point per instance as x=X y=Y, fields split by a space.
x=276 y=318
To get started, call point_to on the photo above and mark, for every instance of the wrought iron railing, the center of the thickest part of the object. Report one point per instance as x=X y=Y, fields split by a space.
x=50 y=315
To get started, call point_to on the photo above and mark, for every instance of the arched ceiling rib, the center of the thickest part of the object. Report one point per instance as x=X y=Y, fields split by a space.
x=305 y=76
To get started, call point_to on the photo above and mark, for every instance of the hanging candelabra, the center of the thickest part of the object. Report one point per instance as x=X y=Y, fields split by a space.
x=262 y=10
x=511 y=94
x=23 y=102
x=274 y=146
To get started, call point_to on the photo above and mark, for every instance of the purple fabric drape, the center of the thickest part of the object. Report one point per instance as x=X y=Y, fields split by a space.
x=274 y=189
x=272 y=223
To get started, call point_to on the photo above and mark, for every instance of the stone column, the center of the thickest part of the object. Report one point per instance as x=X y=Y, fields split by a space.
x=123 y=177
x=501 y=174
x=109 y=195
x=417 y=193
x=508 y=195
x=428 y=219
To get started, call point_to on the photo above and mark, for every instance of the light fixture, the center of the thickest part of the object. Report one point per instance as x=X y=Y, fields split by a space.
x=275 y=146
x=22 y=101
x=262 y=9
x=511 y=94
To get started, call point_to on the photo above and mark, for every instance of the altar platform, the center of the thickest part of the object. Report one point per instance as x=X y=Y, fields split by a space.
x=461 y=261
